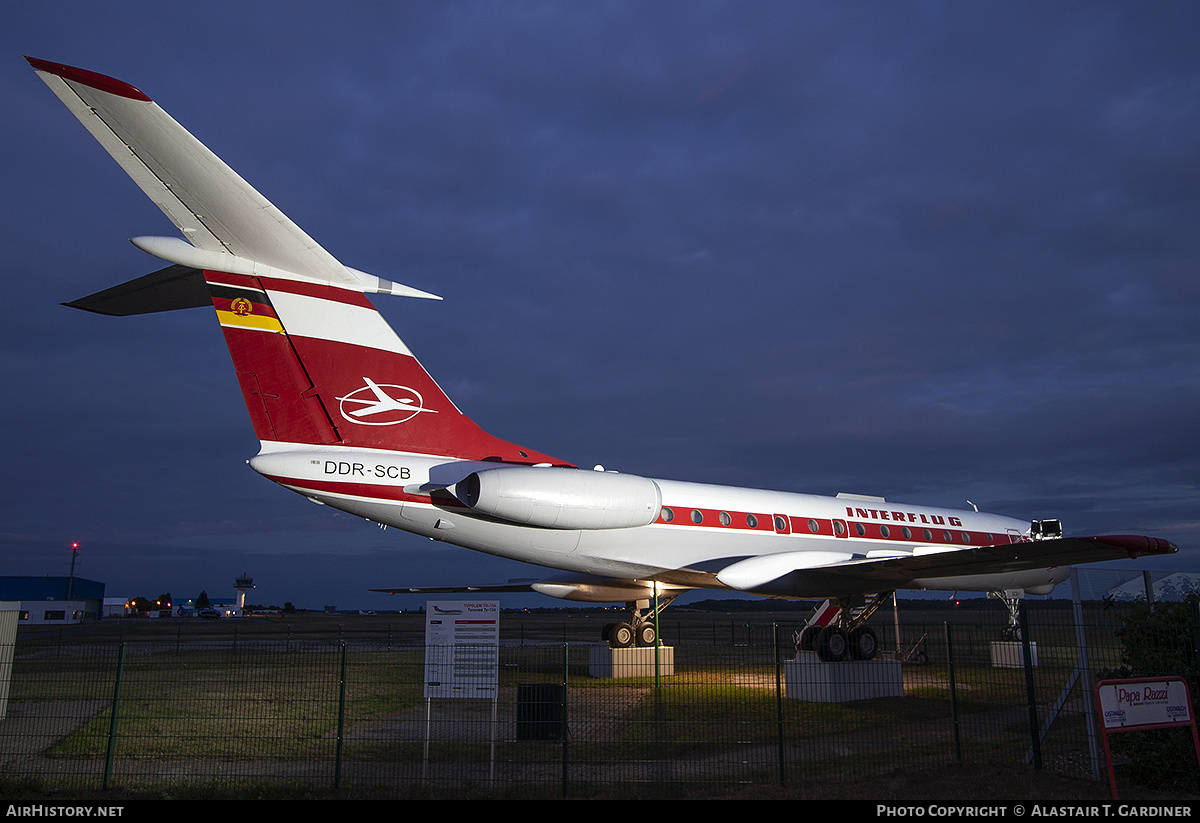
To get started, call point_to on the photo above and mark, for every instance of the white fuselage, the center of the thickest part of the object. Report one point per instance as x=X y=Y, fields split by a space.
x=699 y=530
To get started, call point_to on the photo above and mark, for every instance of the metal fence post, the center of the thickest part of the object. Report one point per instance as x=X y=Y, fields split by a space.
x=341 y=723
x=779 y=703
x=564 y=729
x=1196 y=637
x=657 y=642
x=112 y=720
x=1085 y=674
x=1029 y=691
x=953 y=693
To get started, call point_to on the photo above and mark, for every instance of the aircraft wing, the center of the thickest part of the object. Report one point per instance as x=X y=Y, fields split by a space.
x=823 y=574
x=813 y=574
x=526 y=586
x=216 y=209
x=577 y=587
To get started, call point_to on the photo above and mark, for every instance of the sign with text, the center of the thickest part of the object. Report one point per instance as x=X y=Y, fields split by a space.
x=1149 y=702
x=1143 y=703
x=462 y=648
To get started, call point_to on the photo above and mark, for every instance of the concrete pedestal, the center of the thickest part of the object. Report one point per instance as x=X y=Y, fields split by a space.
x=808 y=677
x=636 y=661
x=1010 y=654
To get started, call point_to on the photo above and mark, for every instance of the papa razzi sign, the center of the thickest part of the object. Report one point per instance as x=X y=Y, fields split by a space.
x=1150 y=702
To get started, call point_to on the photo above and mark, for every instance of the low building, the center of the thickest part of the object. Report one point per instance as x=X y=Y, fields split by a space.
x=115 y=607
x=54 y=600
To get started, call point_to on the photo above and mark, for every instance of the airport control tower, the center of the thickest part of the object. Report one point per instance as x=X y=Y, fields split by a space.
x=242 y=584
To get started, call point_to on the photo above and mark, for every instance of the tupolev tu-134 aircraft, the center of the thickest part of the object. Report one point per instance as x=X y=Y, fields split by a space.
x=349 y=418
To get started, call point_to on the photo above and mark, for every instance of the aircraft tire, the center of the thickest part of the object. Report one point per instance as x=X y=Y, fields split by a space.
x=621 y=636
x=864 y=645
x=808 y=639
x=646 y=634
x=832 y=644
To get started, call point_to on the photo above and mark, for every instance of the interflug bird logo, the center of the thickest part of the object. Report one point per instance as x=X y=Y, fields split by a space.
x=386 y=404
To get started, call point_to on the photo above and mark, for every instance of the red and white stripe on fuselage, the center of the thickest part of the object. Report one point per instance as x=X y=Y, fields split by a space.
x=339 y=473
x=917 y=528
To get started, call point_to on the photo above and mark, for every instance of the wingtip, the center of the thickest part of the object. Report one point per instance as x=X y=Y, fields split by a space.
x=100 y=82
x=1136 y=545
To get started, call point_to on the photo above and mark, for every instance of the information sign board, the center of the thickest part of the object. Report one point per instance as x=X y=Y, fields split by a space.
x=1126 y=703
x=462 y=648
x=1143 y=703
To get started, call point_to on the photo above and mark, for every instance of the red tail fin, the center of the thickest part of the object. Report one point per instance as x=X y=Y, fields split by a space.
x=318 y=364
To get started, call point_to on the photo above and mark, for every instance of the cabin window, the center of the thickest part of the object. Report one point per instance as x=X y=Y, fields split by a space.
x=667 y=515
x=928 y=535
x=839 y=527
x=861 y=529
x=907 y=532
x=813 y=527
x=697 y=517
x=885 y=531
x=724 y=518
x=966 y=538
x=949 y=538
x=752 y=521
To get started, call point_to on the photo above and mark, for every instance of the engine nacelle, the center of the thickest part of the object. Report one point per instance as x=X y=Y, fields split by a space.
x=560 y=498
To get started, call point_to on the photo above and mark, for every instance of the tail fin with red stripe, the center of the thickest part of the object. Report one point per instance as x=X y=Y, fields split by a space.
x=316 y=362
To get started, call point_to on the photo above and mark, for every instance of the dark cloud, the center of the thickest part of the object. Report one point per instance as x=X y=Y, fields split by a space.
x=939 y=252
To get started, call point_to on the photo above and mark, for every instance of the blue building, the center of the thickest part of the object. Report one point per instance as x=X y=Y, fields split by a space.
x=54 y=600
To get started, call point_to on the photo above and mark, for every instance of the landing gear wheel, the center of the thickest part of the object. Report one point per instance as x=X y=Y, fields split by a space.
x=621 y=636
x=832 y=644
x=646 y=634
x=863 y=643
x=606 y=632
x=808 y=639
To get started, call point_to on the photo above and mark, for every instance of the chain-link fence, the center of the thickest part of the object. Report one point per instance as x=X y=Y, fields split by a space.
x=732 y=703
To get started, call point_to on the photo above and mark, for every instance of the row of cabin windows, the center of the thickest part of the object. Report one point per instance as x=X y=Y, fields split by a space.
x=886 y=531
x=781 y=525
x=668 y=515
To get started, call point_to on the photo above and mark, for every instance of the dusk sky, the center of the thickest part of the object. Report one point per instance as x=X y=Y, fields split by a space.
x=933 y=251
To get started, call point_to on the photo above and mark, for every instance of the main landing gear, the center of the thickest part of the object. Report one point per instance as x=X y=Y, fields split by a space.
x=1012 y=602
x=639 y=628
x=838 y=629
x=834 y=644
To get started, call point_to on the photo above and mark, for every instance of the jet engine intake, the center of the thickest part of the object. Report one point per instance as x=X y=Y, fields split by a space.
x=561 y=498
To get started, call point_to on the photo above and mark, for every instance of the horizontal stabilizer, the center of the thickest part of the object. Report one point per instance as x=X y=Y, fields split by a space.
x=174 y=250
x=222 y=216
x=175 y=287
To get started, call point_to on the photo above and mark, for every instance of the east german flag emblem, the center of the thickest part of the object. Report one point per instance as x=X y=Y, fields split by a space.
x=244 y=308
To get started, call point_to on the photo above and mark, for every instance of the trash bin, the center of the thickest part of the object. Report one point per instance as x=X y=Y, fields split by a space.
x=539 y=711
